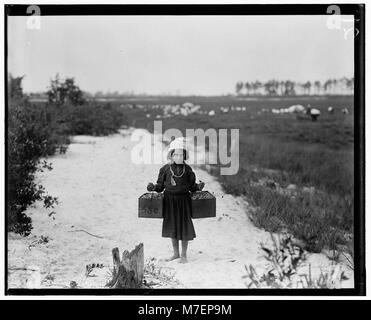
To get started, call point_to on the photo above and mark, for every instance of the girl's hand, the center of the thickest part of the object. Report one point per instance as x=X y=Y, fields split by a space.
x=201 y=185
x=150 y=186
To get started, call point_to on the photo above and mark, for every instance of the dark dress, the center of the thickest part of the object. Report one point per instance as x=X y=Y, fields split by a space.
x=177 y=206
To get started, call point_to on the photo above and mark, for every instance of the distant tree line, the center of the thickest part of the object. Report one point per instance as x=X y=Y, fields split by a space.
x=273 y=87
x=342 y=86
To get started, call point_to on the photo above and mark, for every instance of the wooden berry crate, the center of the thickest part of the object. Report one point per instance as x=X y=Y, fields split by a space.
x=203 y=205
x=150 y=205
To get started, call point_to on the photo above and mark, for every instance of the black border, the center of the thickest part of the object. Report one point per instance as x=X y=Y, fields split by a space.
x=130 y=308
x=6 y=150
x=358 y=10
x=359 y=152
x=183 y=9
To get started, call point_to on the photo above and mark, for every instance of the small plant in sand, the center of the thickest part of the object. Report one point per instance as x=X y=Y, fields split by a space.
x=42 y=240
x=285 y=259
x=90 y=267
x=328 y=280
x=48 y=280
x=156 y=276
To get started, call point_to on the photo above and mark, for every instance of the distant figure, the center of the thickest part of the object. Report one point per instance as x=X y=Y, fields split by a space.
x=330 y=109
x=308 y=109
x=314 y=113
x=345 y=111
x=224 y=109
x=211 y=113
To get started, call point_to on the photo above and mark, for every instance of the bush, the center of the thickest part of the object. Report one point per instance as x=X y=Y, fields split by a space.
x=29 y=138
x=66 y=91
x=93 y=119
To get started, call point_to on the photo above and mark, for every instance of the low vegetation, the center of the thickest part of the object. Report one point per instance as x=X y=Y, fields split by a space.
x=314 y=159
x=38 y=130
x=285 y=269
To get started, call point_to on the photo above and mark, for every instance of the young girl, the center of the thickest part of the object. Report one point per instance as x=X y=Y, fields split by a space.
x=177 y=179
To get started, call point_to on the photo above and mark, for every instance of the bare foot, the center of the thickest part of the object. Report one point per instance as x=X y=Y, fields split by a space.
x=173 y=257
x=183 y=260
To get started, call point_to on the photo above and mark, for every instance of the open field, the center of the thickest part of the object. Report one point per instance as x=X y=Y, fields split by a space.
x=332 y=130
x=315 y=159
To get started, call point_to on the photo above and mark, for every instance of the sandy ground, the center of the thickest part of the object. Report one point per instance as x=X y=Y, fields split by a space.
x=98 y=187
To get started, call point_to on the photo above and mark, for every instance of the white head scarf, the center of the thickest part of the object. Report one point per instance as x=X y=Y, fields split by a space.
x=178 y=143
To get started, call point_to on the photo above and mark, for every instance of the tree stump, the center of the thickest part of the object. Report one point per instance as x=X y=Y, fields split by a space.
x=128 y=272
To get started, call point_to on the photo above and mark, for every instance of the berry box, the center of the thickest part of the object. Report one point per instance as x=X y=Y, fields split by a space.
x=150 y=205
x=203 y=205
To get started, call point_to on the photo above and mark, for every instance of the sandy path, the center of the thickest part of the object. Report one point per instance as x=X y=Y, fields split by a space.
x=98 y=188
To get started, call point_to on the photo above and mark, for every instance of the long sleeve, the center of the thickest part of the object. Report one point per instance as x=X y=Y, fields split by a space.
x=160 y=184
x=192 y=182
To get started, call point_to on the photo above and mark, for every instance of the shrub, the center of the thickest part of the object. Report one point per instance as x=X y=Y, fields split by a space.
x=66 y=91
x=93 y=119
x=28 y=140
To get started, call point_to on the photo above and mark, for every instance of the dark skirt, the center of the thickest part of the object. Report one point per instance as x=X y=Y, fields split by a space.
x=177 y=223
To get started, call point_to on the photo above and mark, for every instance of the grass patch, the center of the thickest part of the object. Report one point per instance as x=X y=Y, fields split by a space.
x=321 y=221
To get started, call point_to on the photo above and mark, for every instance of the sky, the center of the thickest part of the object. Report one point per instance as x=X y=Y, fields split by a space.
x=204 y=55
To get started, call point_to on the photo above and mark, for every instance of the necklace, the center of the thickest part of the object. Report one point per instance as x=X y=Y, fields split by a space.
x=173 y=175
